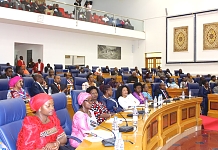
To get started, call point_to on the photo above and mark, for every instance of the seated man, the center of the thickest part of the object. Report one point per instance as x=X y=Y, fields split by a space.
x=160 y=73
x=47 y=68
x=213 y=80
x=162 y=91
x=115 y=72
x=20 y=71
x=113 y=82
x=106 y=70
x=133 y=78
x=57 y=87
x=50 y=75
x=8 y=73
x=171 y=84
x=39 y=86
x=215 y=89
x=69 y=78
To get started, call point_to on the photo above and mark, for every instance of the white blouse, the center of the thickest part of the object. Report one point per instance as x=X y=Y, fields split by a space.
x=130 y=100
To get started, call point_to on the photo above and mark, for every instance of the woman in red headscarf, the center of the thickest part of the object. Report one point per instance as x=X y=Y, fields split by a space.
x=16 y=90
x=42 y=131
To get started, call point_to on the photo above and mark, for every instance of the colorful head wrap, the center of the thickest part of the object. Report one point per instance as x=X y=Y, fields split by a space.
x=13 y=81
x=38 y=100
x=82 y=96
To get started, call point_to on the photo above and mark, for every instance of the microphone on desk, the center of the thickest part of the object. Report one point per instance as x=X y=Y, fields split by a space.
x=125 y=128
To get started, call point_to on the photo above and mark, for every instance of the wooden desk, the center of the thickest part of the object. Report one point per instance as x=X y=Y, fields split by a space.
x=213 y=105
x=176 y=92
x=69 y=108
x=162 y=124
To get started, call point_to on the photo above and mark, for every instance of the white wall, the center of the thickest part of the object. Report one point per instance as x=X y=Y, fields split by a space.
x=21 y=50
x=57 y=44
x=153 y=12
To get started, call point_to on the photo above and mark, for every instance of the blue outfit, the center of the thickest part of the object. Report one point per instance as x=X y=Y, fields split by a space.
x=110 y=104
x=36 y=89
x=205 y=100
x=146 y=94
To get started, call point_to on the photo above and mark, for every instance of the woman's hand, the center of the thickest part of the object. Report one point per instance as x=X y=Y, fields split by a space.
x=51 y=146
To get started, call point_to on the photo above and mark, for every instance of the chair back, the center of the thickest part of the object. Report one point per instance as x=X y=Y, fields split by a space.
x=176 y=72
x=130 y=85
x=58 y=66
x=12 y=114
x=50 y=81
x=156 y=80
x=4 y=67
x=60 y=105
x=212 y=85
x=183 y=75
x=61 y=74
x=154 y=87
x=27 y=84
x=74 y=72
x=194 y=88
x=179 y=81
x=82 y=75
x=95 y=67
x=71 y=67
x=153 y=70
x=125 y=77
x=86 y=70
x=106 y=80
x=58 y=71
x=114 y=93
x=74 y=94
x=196 y=79
x=44 y=75
x=125 y=68
x=3 y=88
x=208 y=79
x=64 y=80
x=78 y=83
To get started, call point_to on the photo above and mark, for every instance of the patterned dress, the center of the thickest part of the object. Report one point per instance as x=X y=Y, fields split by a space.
x=35 y=135
x=99 y=108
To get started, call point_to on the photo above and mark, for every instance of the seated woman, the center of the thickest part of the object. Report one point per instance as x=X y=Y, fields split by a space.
x=25 y=71
x=83 y=120
x=138 y=93
x=184 y=83
x=125 y=98
x=145 y=92
x=180 y=72
x=189 y=78
x=100 y=110
x=168 y=72
x=43 y=130
x=90 y=82
x=171 y=84
x=16 y=90
x=111 y=104
x=205 y=91
x=99 y=80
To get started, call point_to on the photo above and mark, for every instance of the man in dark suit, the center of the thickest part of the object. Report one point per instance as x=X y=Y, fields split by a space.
x=133 y=78
x=8 y=73
x=57 y=87
x=106 y=70
x=162 y=91
x=47 y=68
x=20 y=71
x=39 y=86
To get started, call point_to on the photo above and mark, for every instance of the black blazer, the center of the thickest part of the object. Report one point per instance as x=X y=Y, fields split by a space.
x=46 y=69
x=158 y=91
x=55 y=89
x=4 y=76
x=36 y=89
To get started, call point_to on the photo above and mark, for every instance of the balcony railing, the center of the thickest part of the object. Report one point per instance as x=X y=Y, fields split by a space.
x=78 y=13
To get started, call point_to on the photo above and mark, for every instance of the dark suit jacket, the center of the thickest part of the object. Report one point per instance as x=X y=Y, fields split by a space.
x=131 y=78
x=114 y=73
x=36 y=89
x=158 y=91
x=105 y=70
x=4 y=76
x=46 y=69
x=55 y=89
x=18 y=75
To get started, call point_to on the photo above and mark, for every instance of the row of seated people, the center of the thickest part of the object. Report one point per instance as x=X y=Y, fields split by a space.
x=54 y=10
x=45 y=118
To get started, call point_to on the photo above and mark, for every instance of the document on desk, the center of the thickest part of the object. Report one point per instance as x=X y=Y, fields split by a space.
x=99 y=135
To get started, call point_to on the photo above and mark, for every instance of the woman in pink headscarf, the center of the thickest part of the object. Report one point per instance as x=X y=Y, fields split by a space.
x=83 y=120
x=16 y=90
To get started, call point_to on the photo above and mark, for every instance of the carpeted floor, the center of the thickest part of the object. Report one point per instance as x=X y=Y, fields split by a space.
x=210 y=123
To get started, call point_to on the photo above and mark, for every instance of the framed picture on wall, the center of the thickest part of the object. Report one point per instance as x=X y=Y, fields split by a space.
x=109 y=52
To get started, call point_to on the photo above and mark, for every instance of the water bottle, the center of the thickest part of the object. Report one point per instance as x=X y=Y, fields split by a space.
x=146 y=107
x=49 y=91
x=115 y=126
x=190 y=93
x=119 y=143
x=135 y=116
x=155 y=102
x=183 y=95
x=159 y=99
